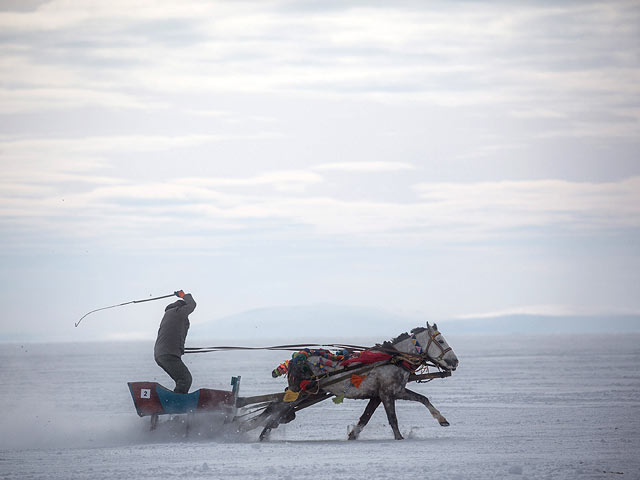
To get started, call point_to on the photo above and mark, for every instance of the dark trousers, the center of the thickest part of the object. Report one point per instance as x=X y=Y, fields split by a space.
x=177 y=370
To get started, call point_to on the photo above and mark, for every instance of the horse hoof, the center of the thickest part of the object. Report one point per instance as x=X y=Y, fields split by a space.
x=400 y=437
x=444 y=423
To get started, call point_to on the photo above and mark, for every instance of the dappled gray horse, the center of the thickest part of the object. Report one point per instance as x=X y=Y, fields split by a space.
x=383 y=383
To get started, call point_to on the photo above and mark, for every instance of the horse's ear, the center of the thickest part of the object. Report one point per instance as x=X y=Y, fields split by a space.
x=428 y=326
x=435 y=327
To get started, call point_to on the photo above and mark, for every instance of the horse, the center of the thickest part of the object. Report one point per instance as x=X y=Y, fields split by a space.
x=385 y=381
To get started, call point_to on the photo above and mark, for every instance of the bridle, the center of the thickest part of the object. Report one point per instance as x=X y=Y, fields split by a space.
x=432 y=340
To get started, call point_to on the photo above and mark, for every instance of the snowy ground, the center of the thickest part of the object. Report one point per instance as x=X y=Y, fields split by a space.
x=520 y=407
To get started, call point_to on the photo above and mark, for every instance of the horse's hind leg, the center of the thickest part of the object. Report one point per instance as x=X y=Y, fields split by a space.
x=364 y=419
x=416 y=397
x=390 y=407
x=281 y=414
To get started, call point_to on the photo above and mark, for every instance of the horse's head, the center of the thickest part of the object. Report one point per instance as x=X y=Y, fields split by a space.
x=438 y=350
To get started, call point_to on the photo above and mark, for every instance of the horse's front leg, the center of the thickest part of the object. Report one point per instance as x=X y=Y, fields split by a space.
x=390 y=407
x=364 y=419
x=416 y=397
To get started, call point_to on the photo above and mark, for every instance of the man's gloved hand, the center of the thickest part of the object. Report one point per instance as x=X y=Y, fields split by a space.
x=179 y=293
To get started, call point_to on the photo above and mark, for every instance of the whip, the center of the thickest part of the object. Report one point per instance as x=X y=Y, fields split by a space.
x=132 y=301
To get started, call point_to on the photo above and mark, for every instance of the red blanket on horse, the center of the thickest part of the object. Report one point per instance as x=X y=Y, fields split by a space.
x=367 y=356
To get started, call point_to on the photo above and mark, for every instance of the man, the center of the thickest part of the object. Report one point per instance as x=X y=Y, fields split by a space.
x=170 y=342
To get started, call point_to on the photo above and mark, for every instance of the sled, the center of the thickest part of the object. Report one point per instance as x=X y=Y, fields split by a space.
x=152 y=399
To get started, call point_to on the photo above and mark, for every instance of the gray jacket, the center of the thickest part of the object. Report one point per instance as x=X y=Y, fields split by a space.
x=174 y=327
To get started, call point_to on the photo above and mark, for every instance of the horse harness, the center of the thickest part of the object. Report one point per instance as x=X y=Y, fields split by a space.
x=432 y=339
x=301 y=376
x=414 y=361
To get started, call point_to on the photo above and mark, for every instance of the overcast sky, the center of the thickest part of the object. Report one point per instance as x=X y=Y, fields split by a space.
x=438 y=159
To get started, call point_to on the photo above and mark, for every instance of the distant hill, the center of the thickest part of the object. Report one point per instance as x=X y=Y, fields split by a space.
x=308 y=322
x=341 y=323
x=523 y=323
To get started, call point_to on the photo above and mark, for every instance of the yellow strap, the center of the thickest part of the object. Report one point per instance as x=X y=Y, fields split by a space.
x=290 y=396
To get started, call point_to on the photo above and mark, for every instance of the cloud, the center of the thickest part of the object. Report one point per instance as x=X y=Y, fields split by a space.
x=73 y=154
x=542 y=203
x=277 y=204
x=284 y=180
x=566 y=70
x=552 y=310
x=531 y=59
x=365 y=166
x=64 y=14
x=25 y=100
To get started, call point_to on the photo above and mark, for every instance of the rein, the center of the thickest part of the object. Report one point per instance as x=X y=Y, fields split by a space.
x=290 y=347
x=294 y=347
x=400 y=358
x=410 y=361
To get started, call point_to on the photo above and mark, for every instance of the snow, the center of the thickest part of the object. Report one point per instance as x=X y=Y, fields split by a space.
x=520 y=407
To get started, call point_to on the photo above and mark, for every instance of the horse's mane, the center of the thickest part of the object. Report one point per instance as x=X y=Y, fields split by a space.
x=403 y=336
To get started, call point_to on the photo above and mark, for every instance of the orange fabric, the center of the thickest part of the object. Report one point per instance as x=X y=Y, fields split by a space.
x=356 y=380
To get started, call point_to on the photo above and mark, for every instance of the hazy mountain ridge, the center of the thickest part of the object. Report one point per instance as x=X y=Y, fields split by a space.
x=531 y=324
x=309 y=321
x=314 y=322
x=338 y=323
